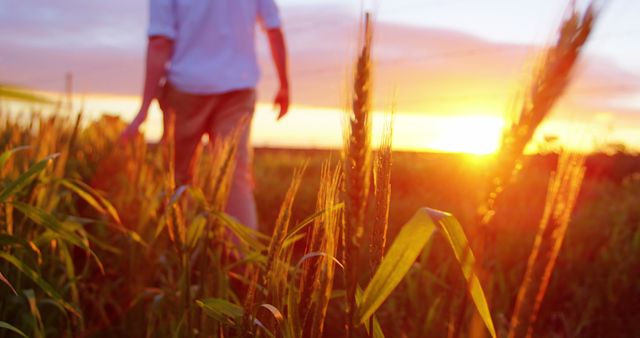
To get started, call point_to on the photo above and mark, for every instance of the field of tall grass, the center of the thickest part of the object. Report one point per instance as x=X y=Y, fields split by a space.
x=99 y=241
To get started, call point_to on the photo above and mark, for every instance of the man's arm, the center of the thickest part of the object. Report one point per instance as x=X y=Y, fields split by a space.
x=159 y=51
x=279 y=55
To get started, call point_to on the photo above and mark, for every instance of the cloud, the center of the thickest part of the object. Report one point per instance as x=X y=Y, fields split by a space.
x=424 y=70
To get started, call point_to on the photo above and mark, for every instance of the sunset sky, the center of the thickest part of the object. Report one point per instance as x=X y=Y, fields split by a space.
x=451 y=66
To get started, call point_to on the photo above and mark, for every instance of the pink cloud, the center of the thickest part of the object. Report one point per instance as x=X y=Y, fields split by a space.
x=428 y=69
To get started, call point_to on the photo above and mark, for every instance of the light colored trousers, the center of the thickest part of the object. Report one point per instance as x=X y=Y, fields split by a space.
x=216 y=115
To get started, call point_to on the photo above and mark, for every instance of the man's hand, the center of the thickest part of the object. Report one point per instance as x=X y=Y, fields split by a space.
x=279 y=54
x=159 y=51
x=282 y=101
x=131 y=131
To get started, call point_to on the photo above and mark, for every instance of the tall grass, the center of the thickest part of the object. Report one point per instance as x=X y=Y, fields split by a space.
x=357 y=169
x=382 y=180
x=561 y=198
x=549 y=81
x=316 y=281
x=40 y=233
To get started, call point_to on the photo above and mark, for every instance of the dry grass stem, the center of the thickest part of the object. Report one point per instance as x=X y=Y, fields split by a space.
x=382 y=184
x=276 y=272
x=564 y=187
x=549 y=81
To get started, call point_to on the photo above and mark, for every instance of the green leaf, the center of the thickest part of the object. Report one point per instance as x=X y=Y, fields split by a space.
x=312 y=218
x=22 y=180
x=403 y=253
x=7 y=154
x=36 y=325
x=453 y=232
x=221 y=310
x=242 y=232
x=45 y=219
x=10 y=327
x=289 y=241
x=397 y=262
x=36 y=278
x=377 y=329
x=93 y=198
x=10 y=240
x=6 y=239
x=229 y=314
x=251 y=257
x=22 y=95
x=195 y=230
x=102 y=205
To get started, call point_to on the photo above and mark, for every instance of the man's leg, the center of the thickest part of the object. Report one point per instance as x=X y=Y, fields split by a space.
x=232 y=109
x=191 y=115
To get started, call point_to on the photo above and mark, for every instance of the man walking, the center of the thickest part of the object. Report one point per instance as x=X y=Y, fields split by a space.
x=203 y=52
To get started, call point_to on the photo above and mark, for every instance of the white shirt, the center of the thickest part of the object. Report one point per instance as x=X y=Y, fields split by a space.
x=214 y=41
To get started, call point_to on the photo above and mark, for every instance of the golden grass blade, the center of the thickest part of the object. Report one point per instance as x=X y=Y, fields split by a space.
x=41 y=217
x=93 y=198
x=37 y=278
x=277 y=315
x=377 y=329
x=282 y=223
x=195 y=230
x=7 y=154
x=318 y=264
x=217 y=166
x=309 y=220
x=67 y=231
x=279 y=291
x=313 y=244
x=289 y=241
x=382 y=180
x=403 y=253
x=26 y=177
x=245 y=234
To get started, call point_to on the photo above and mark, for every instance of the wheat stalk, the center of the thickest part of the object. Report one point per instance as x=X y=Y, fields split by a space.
x=357 y=170
x=275 y=276
x=563 y=190
x=317 y=278
x=549 y=82
x=382 y=180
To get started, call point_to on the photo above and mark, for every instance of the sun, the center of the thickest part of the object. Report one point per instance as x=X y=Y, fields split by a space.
x=477 y=135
